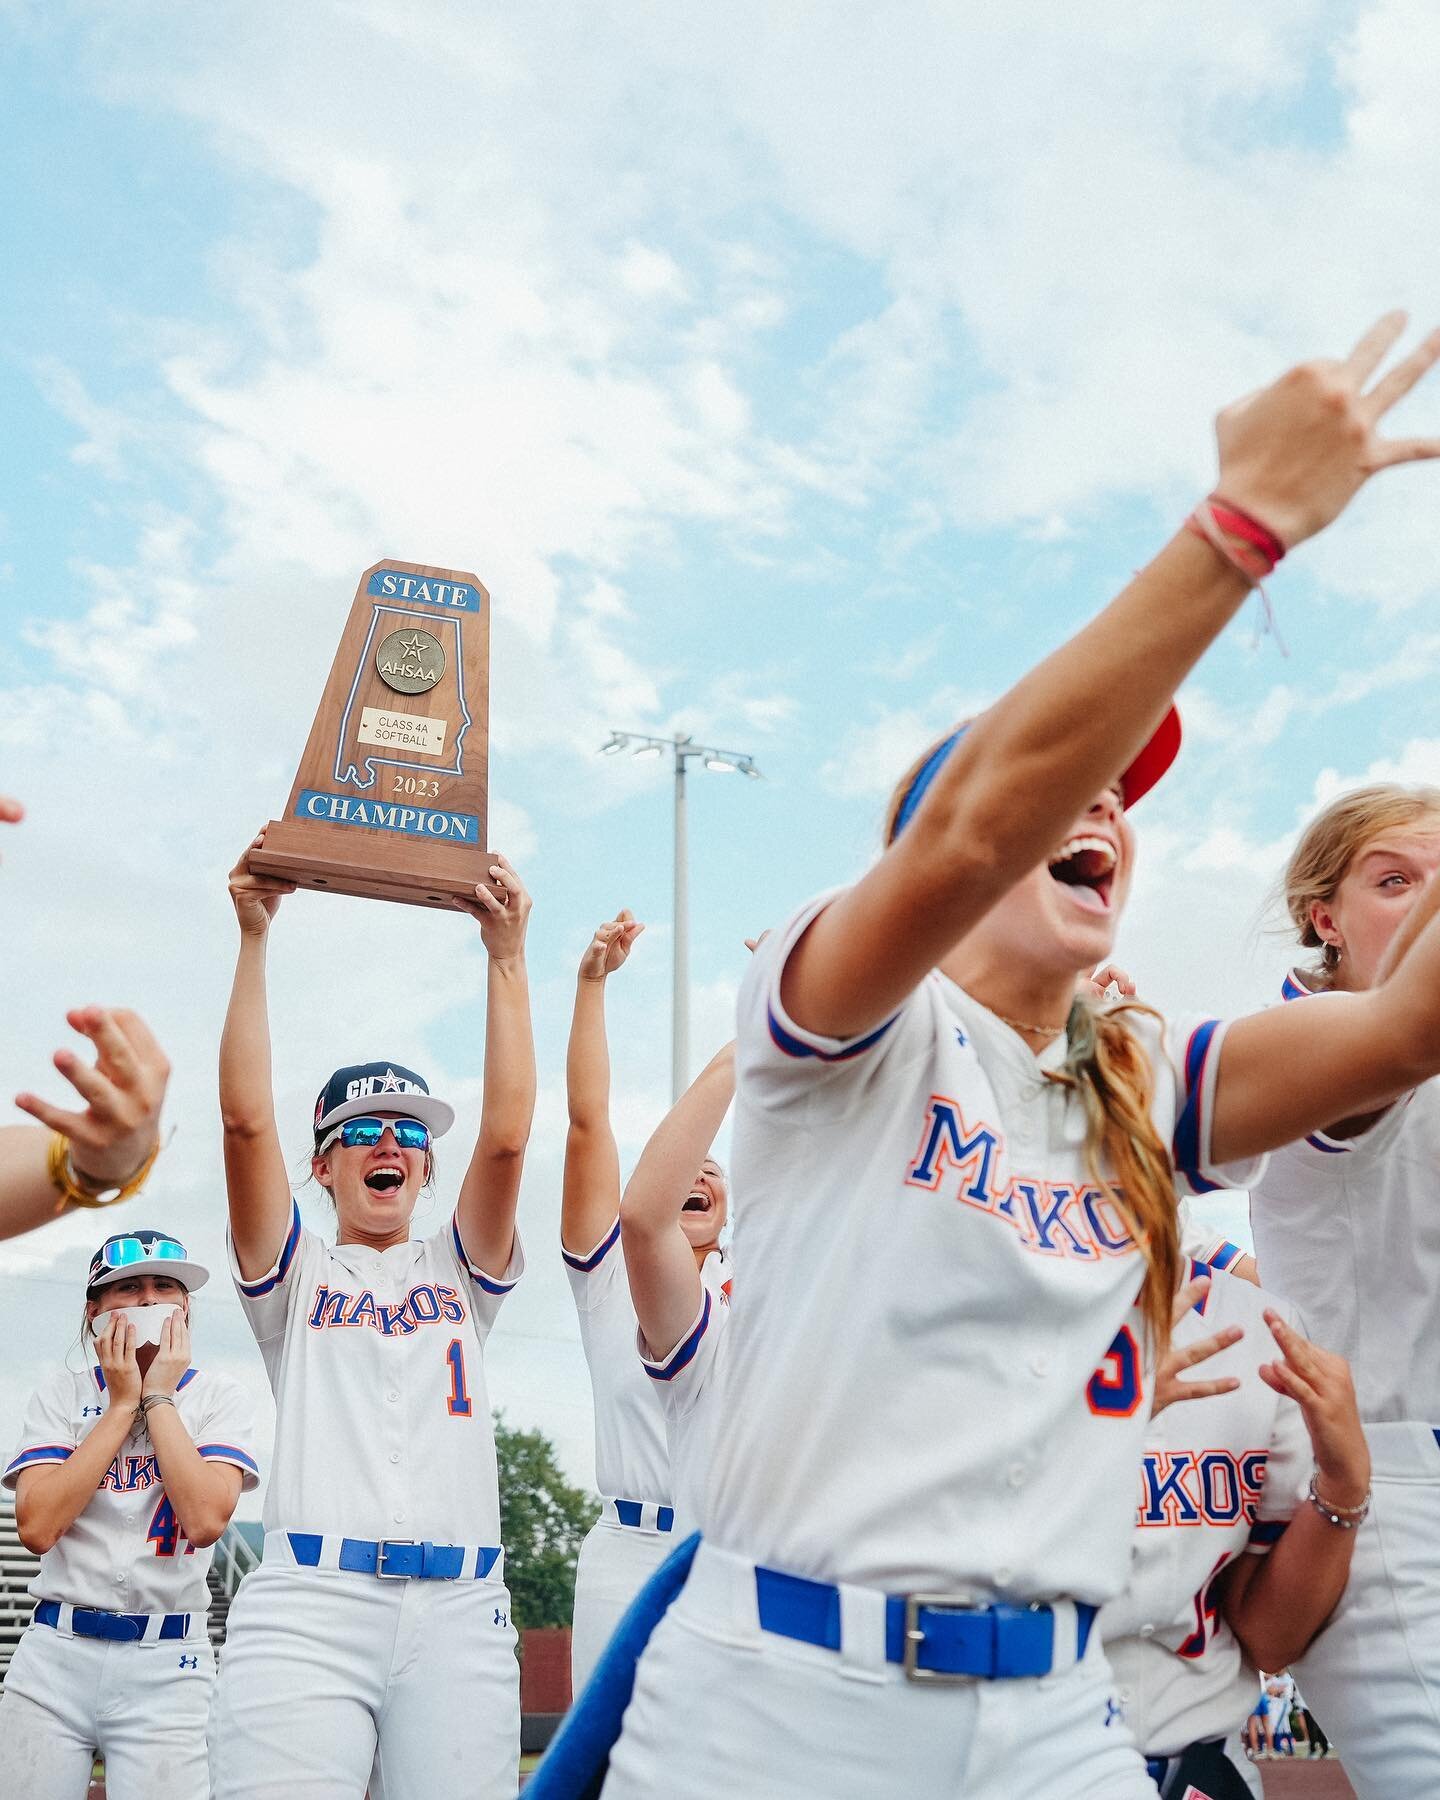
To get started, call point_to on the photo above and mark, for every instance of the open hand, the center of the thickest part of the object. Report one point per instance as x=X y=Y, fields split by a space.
x=610 y=946
x=1295 y=454
x=1320 y=1384
x=256 y=897
x=115 y=1347
x=172 y=1356
x=123 y=1095
x=1168 y=1385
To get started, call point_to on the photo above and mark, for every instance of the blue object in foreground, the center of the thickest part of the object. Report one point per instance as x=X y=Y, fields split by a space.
x=575 y=1765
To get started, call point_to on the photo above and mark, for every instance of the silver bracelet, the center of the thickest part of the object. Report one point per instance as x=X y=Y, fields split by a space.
x=1346 y=1517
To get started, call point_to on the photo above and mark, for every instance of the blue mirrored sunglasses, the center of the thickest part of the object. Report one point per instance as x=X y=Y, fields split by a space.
x=366 y=1133
x=119 y=1253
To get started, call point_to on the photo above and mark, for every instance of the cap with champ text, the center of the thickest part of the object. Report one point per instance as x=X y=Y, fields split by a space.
x=379 y=1087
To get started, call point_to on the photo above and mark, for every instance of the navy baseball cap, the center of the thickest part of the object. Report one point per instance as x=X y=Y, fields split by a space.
x=145 y=1253
x=378 y=1087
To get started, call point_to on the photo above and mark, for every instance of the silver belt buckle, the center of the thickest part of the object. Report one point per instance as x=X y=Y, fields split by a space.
x=915 y=1637
x=381 y=1573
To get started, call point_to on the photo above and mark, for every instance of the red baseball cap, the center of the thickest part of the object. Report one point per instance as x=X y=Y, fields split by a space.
x=1154 y=759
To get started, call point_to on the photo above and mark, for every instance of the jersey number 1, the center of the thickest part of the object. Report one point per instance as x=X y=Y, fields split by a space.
x=458 y=1403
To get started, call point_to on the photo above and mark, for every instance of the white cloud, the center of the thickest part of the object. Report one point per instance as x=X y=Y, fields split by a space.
x=1024 y=254
x=874 y=754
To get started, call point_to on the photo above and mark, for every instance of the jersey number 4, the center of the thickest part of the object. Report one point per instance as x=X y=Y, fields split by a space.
x=165 y=1532
x=458 y=1403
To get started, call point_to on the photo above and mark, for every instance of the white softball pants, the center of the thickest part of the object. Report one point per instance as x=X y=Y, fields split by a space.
x=141 y=1706
x=1372 y=1677
x=331 y=1682
x=722 y=1708
x=614 y=1564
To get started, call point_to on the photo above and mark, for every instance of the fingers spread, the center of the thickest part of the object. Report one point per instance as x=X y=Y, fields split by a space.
x=1189 y=1295
x=1402 y=377
x=1204 y=1390
x=89 y=1083
x=1204 y=1348
x=1387 y=452
x=114 y=1048
x=1372 y=349
x=72 y=1125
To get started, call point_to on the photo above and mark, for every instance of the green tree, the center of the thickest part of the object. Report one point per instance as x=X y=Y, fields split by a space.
x=543 y=1520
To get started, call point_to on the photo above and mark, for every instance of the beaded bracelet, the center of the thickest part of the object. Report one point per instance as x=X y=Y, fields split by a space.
x=1346 y=1517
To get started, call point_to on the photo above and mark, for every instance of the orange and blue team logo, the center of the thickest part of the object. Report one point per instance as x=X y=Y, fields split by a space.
x=1072 y=1219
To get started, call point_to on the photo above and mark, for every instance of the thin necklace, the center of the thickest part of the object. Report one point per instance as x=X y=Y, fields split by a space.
x=1030 y=1030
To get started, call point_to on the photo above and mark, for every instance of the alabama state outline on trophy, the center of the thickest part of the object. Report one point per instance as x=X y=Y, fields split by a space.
x=390 y=798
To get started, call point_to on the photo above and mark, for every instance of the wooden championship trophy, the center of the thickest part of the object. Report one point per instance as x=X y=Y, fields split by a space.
x=390 y=798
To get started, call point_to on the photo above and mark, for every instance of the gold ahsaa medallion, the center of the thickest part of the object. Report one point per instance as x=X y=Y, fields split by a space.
x=410 y=661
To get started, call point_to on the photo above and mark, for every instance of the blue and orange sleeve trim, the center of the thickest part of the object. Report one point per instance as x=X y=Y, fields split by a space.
x=1189 y=1126
x=587 y=1265
x=785 y=1040
x=1266 y=1533
x=487 y=1283
x=257 y=1290
x=230 y=1453
x=684 y=1352
x=41 y=1453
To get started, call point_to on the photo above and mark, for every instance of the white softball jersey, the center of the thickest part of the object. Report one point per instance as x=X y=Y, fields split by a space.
x=1221 y=1477
x=1349 y=1229
x=125 y=1552
x=382 y=1417
x=631 y=1461
x=690 y=1390
x=941 y=1372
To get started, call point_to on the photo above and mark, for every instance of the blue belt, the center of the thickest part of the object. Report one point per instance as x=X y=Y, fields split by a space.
x=929 y=1635
x=119 y=1628
x=632 y=1512
x=395 y=1558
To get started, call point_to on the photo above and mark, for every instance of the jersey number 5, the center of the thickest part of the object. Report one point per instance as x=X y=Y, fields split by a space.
x=1114 y=1388
x=458 y=1403
x=164 y=1531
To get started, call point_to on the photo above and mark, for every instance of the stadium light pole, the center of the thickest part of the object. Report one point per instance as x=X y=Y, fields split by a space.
x=683 y=750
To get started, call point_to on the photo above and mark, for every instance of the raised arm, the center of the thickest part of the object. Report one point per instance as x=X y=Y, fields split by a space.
x=1294 y=1069
x=255 y=1175
x=1276 y=1604
x=659 y=1261
x=485 y=1211
x=112 y=1140
x=591 y=1194
x=1293 y=456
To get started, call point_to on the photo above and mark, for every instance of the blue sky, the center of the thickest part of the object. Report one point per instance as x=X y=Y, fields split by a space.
x=792 y=379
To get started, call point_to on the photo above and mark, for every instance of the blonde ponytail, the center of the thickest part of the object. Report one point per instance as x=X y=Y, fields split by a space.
x=1107 y=1067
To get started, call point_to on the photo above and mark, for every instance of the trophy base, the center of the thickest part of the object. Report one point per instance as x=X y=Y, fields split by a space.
x=329 y=860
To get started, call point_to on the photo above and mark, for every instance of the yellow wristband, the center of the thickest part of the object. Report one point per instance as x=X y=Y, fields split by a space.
x=67 y=1183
